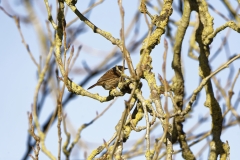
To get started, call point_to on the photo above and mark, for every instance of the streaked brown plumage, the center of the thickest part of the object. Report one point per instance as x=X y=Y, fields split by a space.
x=110 y=79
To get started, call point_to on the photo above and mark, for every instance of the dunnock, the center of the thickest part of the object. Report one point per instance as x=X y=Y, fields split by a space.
x=110 y=79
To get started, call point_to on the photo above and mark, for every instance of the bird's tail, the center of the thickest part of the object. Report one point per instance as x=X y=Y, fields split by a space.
x=92 y=86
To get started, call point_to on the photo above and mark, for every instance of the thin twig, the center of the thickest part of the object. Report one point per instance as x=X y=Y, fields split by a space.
x=84 y=12
x=204 y=82
x=85 y=126
x=35 y=117
x=36 y=138
x=50 y=15
x=119 y=130
x=23 y=40
x=75 y=58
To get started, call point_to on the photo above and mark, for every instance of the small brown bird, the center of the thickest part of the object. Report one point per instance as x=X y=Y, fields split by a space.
x=110 y=79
